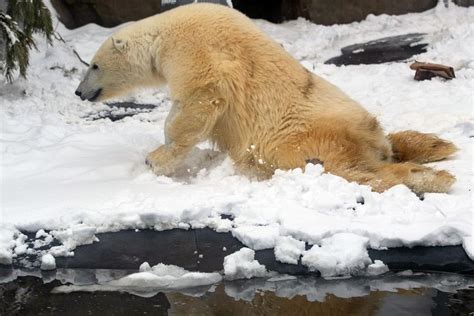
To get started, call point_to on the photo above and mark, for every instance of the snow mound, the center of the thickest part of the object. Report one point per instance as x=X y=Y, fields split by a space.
x=340 y=255
x=288 y=249
x=242 y=265
x=159 y=277
x=48 y=262
x=376 y=268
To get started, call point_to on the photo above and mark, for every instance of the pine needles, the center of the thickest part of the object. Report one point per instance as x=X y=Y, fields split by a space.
x=17 y=25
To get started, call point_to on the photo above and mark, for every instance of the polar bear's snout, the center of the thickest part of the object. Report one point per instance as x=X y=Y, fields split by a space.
x=90 y=87
x=91 y=96
x=86 y=92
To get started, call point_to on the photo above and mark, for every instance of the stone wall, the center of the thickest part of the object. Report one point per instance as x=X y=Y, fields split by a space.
x=108 y=13
x=347 y=11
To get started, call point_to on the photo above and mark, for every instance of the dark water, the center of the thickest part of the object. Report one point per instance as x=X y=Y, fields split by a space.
x=391 y=294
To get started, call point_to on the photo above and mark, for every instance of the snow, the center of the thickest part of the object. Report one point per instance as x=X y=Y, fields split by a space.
x=242 y=265
x=75 y=177
x=468 y=245
x=158 y=277
x=376 y=268
x=10 y=33
x=341 y=254
x=48 y=262
x=288 y=250
x=257 y=237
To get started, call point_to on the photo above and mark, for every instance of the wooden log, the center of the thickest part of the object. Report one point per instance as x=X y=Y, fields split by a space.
x=426 y=71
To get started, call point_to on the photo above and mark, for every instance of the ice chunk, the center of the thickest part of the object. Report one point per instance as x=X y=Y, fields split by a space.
x=258 y=237
x=242 y=265
x=288 y=249
x=162 y=276
x=376 y=268
x=5 y=256
x=48 y=262
x=468 y=245
x=340 y=254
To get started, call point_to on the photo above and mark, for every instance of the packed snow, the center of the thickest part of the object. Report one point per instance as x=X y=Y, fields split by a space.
x=242 y=265
x=48 y=262
x=72 y=177
x=288 y=249
x=158 y=277
x=376 y=268
x=340 y=254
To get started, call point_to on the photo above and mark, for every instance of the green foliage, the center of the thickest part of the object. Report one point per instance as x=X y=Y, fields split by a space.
x=17 y=25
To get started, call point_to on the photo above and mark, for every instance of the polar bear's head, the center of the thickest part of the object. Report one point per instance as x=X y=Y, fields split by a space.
x=117 y=68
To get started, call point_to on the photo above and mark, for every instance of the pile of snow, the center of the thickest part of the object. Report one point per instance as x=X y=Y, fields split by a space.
x=48 y=262
x=159 y=277
x=340 y=254
x=288 y=249
x=75 y=177
x=376 y=268
x=242 y=265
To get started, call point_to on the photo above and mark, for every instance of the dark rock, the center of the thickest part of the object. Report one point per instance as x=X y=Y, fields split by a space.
x=387 y=49
x=446 y=259
x=109 y=13
x=464 y=3
x=343 y=11
x=127 y=249
x=121 y=110
x=328 y=12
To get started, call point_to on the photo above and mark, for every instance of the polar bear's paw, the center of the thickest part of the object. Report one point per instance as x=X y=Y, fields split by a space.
x=161 y=161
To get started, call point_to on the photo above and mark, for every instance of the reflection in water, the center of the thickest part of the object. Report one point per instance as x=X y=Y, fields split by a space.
x=407 y=302
x=391 y=294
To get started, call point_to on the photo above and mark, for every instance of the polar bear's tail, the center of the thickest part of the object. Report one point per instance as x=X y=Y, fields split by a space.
x=419 y=147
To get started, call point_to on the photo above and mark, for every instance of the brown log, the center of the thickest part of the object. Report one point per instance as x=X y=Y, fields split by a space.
x=426 y=71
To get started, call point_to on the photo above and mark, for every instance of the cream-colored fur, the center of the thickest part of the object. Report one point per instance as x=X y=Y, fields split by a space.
x=231 y=84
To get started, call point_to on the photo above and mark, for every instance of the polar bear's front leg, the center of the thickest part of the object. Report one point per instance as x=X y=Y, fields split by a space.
x=188 y=123
x=165 y=159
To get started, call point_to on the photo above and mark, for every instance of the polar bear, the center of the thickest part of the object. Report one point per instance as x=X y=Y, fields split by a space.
x=233 y=85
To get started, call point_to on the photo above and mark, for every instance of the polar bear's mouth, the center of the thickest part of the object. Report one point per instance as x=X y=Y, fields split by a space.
x=95 y=95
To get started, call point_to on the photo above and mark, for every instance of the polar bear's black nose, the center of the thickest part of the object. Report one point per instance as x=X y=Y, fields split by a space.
x=78 y=93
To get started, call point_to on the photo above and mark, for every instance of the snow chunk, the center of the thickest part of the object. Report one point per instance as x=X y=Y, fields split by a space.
x=258 y=237
x=77 y=235
x=468 y=245
x=166 y=277
x=48 y=262
x=160 y=277
x=41 y=233
x=144 y=267
x=5 y=257
x=376 y=268
x=21 y=249
x=242 y=265
x=10 y=240
x=340 y=254
x=288 y=249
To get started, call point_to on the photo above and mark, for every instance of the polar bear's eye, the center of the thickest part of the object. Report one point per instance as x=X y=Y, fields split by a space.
x=95 y=66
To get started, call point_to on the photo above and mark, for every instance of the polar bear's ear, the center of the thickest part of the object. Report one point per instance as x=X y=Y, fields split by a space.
x=119 y=44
